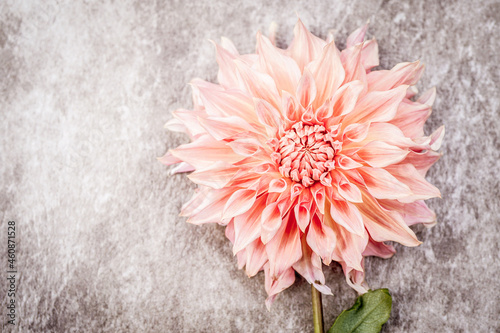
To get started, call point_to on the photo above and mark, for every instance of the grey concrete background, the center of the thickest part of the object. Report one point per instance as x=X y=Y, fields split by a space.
x=86 y=87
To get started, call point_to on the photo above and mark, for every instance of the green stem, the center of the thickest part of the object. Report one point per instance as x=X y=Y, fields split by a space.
x=317 y=310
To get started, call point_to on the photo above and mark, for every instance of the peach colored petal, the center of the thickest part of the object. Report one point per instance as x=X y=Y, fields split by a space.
x=355 y=132
x=271 y=222
x=310 y=267
x=305 y=47
x=227 y=75
x=204 y=152
x=306 y=89
x=321 y=239
x=346 y=189
x=169 y=159
x=256 y=257
x=355 y=278
x=284 y=249
x=379 y=249
x=406 y=73
x=384 y=225
x=226 y=103
x=345 y=98
x=357 y=36
x=328 y=74
x=349 y=246
x=182 y=167
x=268 y=116
x=377 y=106
x=369 y=55
x=379 y=154
x=381 y=184
x=238 y=203
x=222 y=128
x=421 y=189
x=276 y=284
x=354 y=68
x=247 y=226
x=412 y=213
x=346 y=163
x=215 y=176
x=280 y=67
x=257 y=84
x=347 y=215
x=183 y=117
x=422 y=161
x=410 y=118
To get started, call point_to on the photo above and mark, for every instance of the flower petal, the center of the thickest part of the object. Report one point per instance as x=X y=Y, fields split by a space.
x=384 y=225
x=379 y=154
x=169 y=159
x=355 y=132
x=228 y=103
x=247 y=226
x=369 y=54
x=284 y=249
x=349 y=246
x=328 y=74
x=258 y=84
x=268 y=116
x=346 y=163
x=215 y=176
x=189 y=120
x=223 y=127
x=421 y=189
x=277 y=185
x=206 y=206
x=406 y=73
x=256 y=257
x=239 y=202
x=310 y=267
x=411 y=117
x=321 y=239
x=306 y=89
x=412 y=213
x=379 y=249
x=347 y=215
x=182 y=167
x=276 y=284
x=204 y=151
x=377 y=106
x=226 y=76
x=354 y=69
x=355 y=278
x=349 y=191
x=357 y=36
x=280 y=67
x=318 y=194
x=228 y=45
x=383 y=185
x=422 y=161
x=271 y=221
x=345 y=98
x=428 y=97
x=302 y=215
x=305 y=47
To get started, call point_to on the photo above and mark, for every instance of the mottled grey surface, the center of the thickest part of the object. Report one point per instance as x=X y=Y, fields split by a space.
x=86 y=87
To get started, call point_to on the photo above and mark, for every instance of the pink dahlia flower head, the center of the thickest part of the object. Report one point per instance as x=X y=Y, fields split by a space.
x=307 y=156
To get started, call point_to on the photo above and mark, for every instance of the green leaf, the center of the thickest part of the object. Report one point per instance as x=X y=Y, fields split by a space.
x=367 y=315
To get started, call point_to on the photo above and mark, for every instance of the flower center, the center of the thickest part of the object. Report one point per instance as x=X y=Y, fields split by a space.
x=306 y=154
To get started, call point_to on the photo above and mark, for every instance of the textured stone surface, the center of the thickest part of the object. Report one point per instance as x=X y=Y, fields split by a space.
x=86 y=87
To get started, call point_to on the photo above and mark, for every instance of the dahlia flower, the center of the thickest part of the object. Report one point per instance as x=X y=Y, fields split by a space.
x=307 y=156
